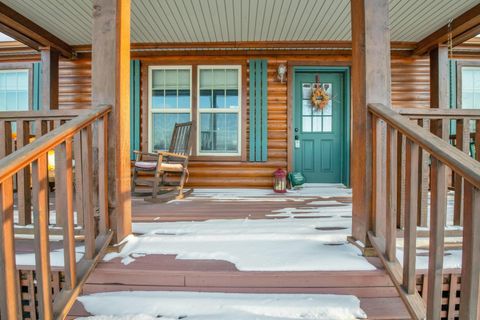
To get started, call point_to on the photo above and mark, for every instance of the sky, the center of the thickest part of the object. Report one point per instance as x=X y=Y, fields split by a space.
x=4 y=37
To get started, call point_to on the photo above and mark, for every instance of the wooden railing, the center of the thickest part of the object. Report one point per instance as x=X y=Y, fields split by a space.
x=18 y=129
x=459 y=126
x=64 y=139
x=443 y=156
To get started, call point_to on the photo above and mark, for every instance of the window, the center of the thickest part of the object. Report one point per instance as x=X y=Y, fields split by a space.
x=219 y=117
x=470 y=87
x=170 y=102
x=14 y=90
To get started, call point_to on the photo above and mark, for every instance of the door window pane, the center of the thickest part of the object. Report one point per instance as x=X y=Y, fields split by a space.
x=313 y=119
x=219 y=111
x=14 y=90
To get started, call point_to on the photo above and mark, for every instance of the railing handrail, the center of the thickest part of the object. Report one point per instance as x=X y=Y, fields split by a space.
x=439 y=113
x=17 y=160
x=42 y=114
x=457 y=160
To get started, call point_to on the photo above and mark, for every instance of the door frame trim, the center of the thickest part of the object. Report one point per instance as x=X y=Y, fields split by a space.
x=345 y=70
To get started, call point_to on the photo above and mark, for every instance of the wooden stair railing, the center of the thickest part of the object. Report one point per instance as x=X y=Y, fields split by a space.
x=34 y=156
x=465 y=137
x=418 y=140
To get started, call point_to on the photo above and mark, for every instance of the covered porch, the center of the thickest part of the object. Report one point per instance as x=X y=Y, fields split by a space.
x=114 y=81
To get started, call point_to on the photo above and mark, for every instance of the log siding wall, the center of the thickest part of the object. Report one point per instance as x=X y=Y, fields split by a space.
x=410 y=87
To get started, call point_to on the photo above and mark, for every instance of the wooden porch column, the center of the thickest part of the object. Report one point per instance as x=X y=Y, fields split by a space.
x=439 y=86
x=111 y=85
x=370 y=84
x=49 y=58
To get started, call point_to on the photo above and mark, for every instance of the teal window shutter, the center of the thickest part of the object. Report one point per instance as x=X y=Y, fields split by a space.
x=134 y=106
x=258 y=110
x=36 y=88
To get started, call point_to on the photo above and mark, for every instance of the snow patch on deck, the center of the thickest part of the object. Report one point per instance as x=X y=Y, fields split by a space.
x=318 y=243
x=142 y=305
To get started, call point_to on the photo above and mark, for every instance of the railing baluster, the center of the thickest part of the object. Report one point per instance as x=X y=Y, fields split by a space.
x=64 y=205
x=462 y=143
x=470 y=289
x=58 y=215
x=5 y=143
x=9 y=308
x=24 y=200
x=391 y=218
x=77 y=154
x=438 y=211
x=103 y=174
x=87 y=178
x=400 y=180
x=42 y=251
x=411 y=210
x=423 y=177
x=375 y=164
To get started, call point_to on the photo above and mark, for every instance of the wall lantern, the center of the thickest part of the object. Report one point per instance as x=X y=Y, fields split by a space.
x=282 y=71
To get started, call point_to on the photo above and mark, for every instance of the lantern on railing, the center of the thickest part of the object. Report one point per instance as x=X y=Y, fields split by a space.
x=280 y=181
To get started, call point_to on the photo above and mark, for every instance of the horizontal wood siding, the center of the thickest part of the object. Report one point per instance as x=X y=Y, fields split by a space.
x=75 y=87
x=410 y=83
x=410 y=87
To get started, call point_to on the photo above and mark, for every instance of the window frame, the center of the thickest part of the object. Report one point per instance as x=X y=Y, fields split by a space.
x=151 y=111
x=12 y=67
x=461 y=64
x=238 y=111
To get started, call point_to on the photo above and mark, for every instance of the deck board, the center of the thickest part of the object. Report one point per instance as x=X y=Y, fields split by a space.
x=379 y=298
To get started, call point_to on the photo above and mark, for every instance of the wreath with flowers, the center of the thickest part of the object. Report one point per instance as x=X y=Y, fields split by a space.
x=320 y=97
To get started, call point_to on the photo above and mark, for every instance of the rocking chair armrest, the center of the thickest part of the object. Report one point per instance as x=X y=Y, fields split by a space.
x=139 y=154
x=171 y=154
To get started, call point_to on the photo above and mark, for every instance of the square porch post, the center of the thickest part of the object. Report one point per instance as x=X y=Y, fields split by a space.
x=111 y=86
x=49 y=58
x=371 y=83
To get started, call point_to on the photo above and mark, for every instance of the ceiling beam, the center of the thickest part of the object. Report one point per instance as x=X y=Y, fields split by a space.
x=28 y=32
x=458 y=27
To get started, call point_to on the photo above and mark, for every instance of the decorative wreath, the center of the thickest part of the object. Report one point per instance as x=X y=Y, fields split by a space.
x=320 y=98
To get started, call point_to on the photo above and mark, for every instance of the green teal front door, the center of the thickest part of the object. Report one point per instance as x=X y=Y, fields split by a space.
x=318 y=134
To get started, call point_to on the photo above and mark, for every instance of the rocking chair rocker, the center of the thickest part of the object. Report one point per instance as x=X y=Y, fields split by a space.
x=165 y=164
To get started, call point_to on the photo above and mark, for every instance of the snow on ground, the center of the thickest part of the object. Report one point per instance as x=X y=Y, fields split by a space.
x=255 y=245
x=56 y=257
x=142 y=305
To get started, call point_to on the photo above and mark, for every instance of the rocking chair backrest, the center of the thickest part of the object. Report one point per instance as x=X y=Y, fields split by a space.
x=181 y=142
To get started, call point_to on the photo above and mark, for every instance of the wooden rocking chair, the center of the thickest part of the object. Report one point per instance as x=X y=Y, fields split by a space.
x=165 y=164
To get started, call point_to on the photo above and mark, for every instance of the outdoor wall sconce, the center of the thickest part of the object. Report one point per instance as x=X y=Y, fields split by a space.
x=282 y=70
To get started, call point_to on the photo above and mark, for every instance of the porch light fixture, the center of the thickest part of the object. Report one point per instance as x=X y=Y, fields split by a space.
x=282 y=70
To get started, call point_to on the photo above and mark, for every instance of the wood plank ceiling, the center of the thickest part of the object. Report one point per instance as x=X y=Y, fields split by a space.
x=239 y=20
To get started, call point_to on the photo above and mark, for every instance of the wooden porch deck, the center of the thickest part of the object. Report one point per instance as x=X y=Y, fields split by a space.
x=378 y=296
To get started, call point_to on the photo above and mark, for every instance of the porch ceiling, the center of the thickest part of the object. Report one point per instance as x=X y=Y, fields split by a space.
x=239 y=20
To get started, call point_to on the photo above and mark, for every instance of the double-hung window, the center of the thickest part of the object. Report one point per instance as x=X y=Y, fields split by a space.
x=14 y=90
x=219 y=111
x=170 y=102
